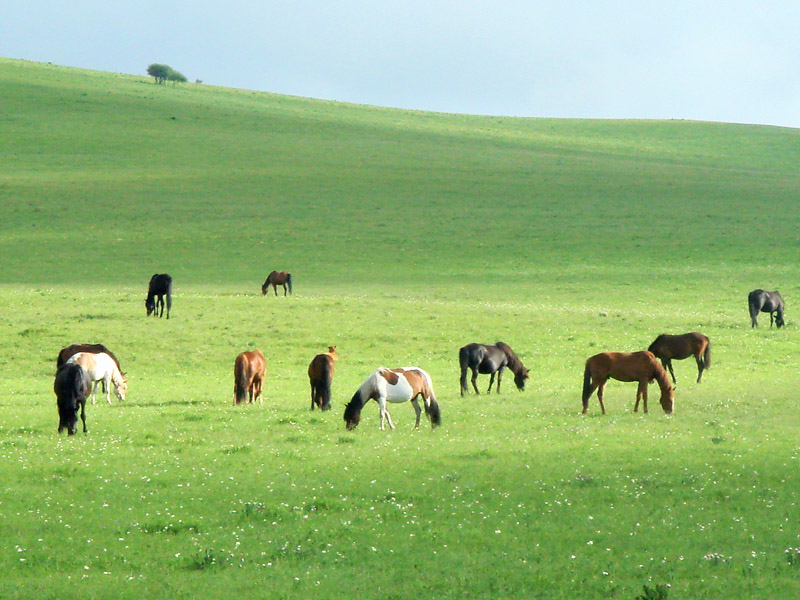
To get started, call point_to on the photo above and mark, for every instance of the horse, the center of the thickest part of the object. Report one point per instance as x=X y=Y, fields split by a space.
x=72 y=386
x=160 y=285
x=320 y=375
x=275 y=279
x=626 y=366
x=394 y=385
x=101 y=367
x=93 y=348
x=666 y=347
x=768 y=302
x=249 y=372
x=484 y=359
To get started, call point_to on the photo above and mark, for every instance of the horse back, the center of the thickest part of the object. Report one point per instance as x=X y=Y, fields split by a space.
x=623 y=366
x=321 y=367
x=73 y=349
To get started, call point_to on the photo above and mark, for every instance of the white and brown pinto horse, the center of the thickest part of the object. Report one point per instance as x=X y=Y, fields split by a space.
x=394 y=385
x=101 y=367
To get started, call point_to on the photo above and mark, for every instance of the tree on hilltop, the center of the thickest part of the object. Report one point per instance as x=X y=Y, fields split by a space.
x=159 y=72
x=176 y=77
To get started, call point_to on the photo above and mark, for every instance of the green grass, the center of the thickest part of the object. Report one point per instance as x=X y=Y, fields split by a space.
x=408 y=234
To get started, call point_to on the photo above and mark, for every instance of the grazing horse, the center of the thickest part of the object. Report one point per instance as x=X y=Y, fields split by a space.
x=484 y=359
x=72 y=386
x=101 y=367
x=160 y=285
x=320 y=374
x=624 y=366
x=249 y=372
x=666 y=347
x=93 y=348
x=768 y=302
x=394 y=385
x=275 y=279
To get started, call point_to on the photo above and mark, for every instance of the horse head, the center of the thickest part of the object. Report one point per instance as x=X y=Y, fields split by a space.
x=265 y=287
x=520 y=378
x=121 y=388
x=779 y=320
x=68 y=417
x=668 y=399
x=352 y=412
x=150 y=305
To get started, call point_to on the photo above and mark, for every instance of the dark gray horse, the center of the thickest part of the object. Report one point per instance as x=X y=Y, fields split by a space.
x=72 y=386
x=160 y=285
x=768 y=302
x=490 y=360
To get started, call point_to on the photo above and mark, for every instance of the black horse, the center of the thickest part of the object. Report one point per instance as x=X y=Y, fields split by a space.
x=160 y=285
x=768 y=302
x=484 y=359
x=72 y=386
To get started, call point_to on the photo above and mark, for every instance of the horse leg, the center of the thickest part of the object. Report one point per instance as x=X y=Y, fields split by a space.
x=463 y=381
x=107 y=383
x=475 y=380
x=275 y=288
x=499 y=377
x=600 y=391
x=284 y=289
x=83 y=415
x=698 y=357
x=671 y=372
x=417 y=410
x=771 y=319
x=491 y=381
x=313 y=396
x=641 y=394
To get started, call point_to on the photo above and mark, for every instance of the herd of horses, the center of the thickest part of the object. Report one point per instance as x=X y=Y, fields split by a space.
x=80 y=368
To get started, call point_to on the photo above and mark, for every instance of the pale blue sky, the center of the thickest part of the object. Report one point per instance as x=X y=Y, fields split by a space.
x=719 y=61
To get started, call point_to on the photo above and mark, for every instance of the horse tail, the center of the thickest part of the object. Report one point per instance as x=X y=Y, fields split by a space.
x=289 y=281
x=587 y=385
x=463 y=360
x=327 y=378
x=169 y=294
x=240 y=380
x=754 y=304
x=707 y=355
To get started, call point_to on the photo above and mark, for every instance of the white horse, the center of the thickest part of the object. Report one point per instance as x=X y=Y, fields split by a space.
x=101 y=367
x=394 y=385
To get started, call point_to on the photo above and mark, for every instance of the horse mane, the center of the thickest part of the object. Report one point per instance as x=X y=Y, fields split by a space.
x=514 y=363
x=661 y=376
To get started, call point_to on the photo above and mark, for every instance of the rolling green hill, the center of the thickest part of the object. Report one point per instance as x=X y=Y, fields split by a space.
x=409 y=234
x=216 y=185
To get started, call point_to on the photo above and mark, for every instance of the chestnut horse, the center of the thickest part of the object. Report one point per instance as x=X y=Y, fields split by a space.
x=394 y=385
x=626 y=366
x=249 y=372
x=666 y=347
x=320 y=374
x=275 y=279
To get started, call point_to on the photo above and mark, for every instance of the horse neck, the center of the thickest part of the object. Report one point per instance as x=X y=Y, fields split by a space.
x=662 y=378
x=514 y=364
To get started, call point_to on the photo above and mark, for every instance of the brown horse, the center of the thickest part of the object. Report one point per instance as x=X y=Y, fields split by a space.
x=249 y=372
x=626 y=366
x=666 y=347
x=275 y=279
x=320 y=374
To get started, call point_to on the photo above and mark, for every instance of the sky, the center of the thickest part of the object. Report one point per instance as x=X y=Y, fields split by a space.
x=725 y=61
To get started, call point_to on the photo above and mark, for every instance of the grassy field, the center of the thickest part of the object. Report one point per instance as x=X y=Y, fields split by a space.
x=409 y=234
